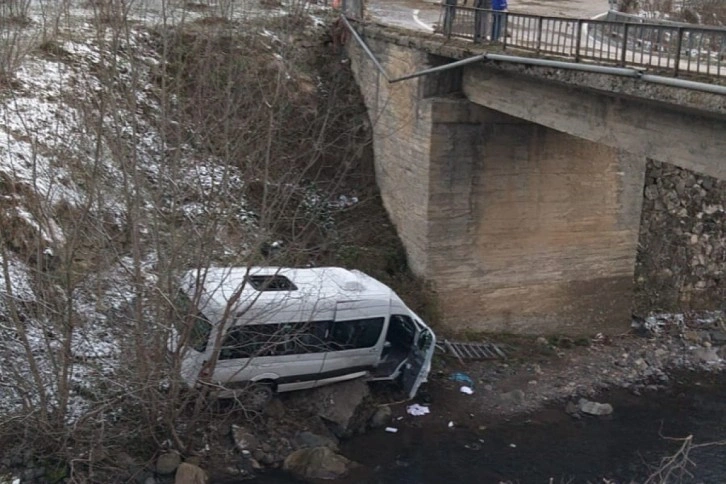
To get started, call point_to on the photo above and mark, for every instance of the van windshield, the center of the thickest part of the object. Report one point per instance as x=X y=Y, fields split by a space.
x=200 y=333
x=201 y=327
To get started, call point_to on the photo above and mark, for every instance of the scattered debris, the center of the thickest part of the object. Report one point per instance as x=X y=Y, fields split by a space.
x=463 y=378
x=466 y=390
x=417 y=410
x=474 y=351
x=451 y=424
x=392 y=430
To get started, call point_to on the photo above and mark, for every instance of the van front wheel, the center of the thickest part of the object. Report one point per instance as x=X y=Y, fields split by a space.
x=257 y=395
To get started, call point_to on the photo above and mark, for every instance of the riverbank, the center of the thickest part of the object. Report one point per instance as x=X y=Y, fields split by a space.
x=524 y=421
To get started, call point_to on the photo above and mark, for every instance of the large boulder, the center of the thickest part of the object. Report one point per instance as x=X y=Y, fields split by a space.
x=340 y=405
x=188 y=473
x=316 y=463
x=309 y=439
x=243 y=438
x=167 y=463
x=595 y=408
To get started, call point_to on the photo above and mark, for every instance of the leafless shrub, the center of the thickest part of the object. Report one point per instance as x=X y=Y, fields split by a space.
x=677 y=467
x=211 y=141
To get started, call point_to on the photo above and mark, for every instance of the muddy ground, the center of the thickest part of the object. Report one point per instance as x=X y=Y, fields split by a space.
x=538 y=371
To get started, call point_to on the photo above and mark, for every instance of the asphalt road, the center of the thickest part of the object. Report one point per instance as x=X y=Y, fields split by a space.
x=424 y=14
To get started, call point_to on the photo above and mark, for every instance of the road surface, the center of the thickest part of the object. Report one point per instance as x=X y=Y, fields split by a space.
x=424 y=14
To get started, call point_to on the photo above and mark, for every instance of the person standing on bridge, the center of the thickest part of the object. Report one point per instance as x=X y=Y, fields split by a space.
x=481 y=19
x=500 y=19
x=449 y=14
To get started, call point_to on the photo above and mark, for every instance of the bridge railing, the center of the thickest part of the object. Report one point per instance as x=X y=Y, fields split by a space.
x=675 y=49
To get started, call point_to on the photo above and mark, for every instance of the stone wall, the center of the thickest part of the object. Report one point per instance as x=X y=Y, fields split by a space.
x=681 y=262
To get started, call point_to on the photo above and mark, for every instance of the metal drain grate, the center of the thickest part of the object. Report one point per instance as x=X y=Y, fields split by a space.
x=474 y=351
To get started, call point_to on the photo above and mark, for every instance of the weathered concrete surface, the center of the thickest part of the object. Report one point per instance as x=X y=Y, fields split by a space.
x=530 y=229
x=663 y=132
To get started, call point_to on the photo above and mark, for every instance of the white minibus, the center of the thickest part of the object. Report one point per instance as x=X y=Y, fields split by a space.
x=266 y=329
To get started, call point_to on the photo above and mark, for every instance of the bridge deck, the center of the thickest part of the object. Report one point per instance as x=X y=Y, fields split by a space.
x=674 y=49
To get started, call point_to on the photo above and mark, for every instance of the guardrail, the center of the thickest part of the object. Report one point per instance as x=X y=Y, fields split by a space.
x=676 y=50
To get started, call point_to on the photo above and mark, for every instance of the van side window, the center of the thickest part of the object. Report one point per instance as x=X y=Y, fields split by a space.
x=256 y=340
x=356 y=333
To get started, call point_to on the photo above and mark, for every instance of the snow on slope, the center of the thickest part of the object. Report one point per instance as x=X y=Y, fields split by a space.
x=60 y=154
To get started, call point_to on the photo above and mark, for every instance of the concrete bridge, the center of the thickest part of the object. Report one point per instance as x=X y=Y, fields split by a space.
x=516 y=188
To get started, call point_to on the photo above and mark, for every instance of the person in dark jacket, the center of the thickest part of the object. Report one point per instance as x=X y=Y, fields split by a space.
x=449 y=15
x=481 y=19
x=499 y=20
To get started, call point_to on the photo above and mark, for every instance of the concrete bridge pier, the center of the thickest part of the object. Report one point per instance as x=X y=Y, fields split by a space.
x=519 y=227
x=529 y=229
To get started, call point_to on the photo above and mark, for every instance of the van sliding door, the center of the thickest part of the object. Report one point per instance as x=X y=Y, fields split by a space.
x=355 y=340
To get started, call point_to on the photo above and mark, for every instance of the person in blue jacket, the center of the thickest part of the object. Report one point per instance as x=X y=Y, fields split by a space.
x=499 y=7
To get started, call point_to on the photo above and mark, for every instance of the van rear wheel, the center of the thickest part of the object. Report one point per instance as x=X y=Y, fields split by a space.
x=257 y=395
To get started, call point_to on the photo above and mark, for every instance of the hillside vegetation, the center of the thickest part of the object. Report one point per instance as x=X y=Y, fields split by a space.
x=141 y=139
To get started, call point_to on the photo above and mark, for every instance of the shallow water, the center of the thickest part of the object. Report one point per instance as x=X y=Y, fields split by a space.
x=552 y=445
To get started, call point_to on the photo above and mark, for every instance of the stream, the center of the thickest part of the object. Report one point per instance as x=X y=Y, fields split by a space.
x=550 y=446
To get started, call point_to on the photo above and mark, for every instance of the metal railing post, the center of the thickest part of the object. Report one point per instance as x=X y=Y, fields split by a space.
x=505 y=22
x=578 y=40
x=540 y=21
x=679 y=47
x=624 y=53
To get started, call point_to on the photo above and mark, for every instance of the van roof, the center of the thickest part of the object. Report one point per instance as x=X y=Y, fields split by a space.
x=262 y=286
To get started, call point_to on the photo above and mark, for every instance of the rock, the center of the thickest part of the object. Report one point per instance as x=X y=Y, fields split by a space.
x=718 y=337
x=515 y=397
x=150 y=480
x=697 y=337
x=340 y=405
x=661 y=353
x=268 y=459
x=308 y=439
x=572 y=408
x=381 y=417
x=542 y=341
x=275 y=409
x=243 y=439
x=316 y=463
x=167 y=463
x=706 y=355
x=595 y=408
x=190 y=474
x=651 y=192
